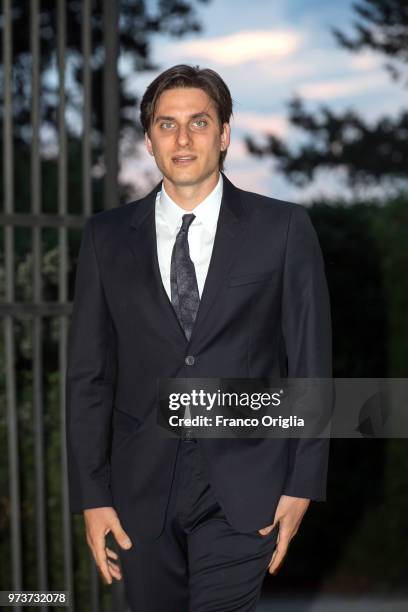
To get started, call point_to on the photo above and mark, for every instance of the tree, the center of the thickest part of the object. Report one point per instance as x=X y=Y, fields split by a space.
x=368 y=153
x=138 y=23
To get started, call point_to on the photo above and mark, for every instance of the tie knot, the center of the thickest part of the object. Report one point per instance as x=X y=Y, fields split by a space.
x=187 y=221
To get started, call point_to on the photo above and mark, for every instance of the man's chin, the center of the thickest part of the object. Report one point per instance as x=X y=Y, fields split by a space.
x=186 y=178
x=186 y=182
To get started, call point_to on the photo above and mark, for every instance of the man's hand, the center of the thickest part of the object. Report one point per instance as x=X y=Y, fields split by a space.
x=99 y=522
x=289 y=514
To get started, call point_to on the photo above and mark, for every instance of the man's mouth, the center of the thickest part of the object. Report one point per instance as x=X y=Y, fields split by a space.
x=183 y=160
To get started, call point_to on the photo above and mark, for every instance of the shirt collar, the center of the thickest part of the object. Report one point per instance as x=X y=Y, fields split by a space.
x=206 y=211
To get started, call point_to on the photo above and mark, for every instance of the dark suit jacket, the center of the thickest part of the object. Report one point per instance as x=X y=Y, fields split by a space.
x=264 y=312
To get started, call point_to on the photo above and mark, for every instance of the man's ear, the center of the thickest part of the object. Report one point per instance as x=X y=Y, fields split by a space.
x=148 y=143
x=225 y=136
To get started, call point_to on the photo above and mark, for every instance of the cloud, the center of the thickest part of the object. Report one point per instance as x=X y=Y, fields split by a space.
x=240 y=47
x=260 y=122
x=340 y=87
x=365 y=61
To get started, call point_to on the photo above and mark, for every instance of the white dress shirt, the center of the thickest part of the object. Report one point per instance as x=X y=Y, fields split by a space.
x=201 y=233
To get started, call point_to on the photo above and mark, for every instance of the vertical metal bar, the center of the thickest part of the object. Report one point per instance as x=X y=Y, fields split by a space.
x=111 y=133
x=38 y=395
x=12 y=421
x=111 y=102
x=63 y=289
x=87 y=117
x=95 y=586
x=87 y=200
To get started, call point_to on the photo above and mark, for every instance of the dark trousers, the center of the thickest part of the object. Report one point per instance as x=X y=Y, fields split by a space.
x=199 y=563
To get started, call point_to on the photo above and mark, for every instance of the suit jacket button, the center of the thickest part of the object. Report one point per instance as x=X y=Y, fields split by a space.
x=189 y=360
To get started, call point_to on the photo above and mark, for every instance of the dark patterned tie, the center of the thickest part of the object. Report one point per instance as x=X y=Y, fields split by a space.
x=184 y=289
x=184 y=293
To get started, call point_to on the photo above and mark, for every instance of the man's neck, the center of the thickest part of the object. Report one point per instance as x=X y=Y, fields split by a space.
x=190 y=196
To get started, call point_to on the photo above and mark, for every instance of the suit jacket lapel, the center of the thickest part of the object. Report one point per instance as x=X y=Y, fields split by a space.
x=230 y=230
x=142 y=243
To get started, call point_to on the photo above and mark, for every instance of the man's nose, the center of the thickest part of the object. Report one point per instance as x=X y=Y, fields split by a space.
x=183 y=136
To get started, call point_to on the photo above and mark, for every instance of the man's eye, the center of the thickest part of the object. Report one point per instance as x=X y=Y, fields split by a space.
x=203 y=122
x=166 y=125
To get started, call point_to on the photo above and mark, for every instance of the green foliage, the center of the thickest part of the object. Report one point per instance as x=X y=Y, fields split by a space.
x=360 y=534
x=390 y=228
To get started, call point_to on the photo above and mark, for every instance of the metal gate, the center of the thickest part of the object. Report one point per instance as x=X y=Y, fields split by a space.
x=34 y=495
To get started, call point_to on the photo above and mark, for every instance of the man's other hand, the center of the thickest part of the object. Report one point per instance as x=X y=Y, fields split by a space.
x=288 y=515
x=98 y=523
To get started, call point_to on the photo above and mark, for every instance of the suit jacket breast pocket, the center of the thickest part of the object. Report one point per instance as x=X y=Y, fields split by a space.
x=253 y=277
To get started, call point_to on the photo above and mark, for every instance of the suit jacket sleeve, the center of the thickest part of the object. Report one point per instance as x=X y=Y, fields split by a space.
x=90 y=385
x=307 y=335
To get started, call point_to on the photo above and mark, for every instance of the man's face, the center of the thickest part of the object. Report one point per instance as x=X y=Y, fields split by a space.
x=185 y=136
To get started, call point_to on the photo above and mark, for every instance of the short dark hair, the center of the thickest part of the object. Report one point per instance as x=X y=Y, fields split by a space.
x=184 y=75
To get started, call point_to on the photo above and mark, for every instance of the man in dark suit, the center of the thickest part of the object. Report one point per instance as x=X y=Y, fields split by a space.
x=198 y=279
